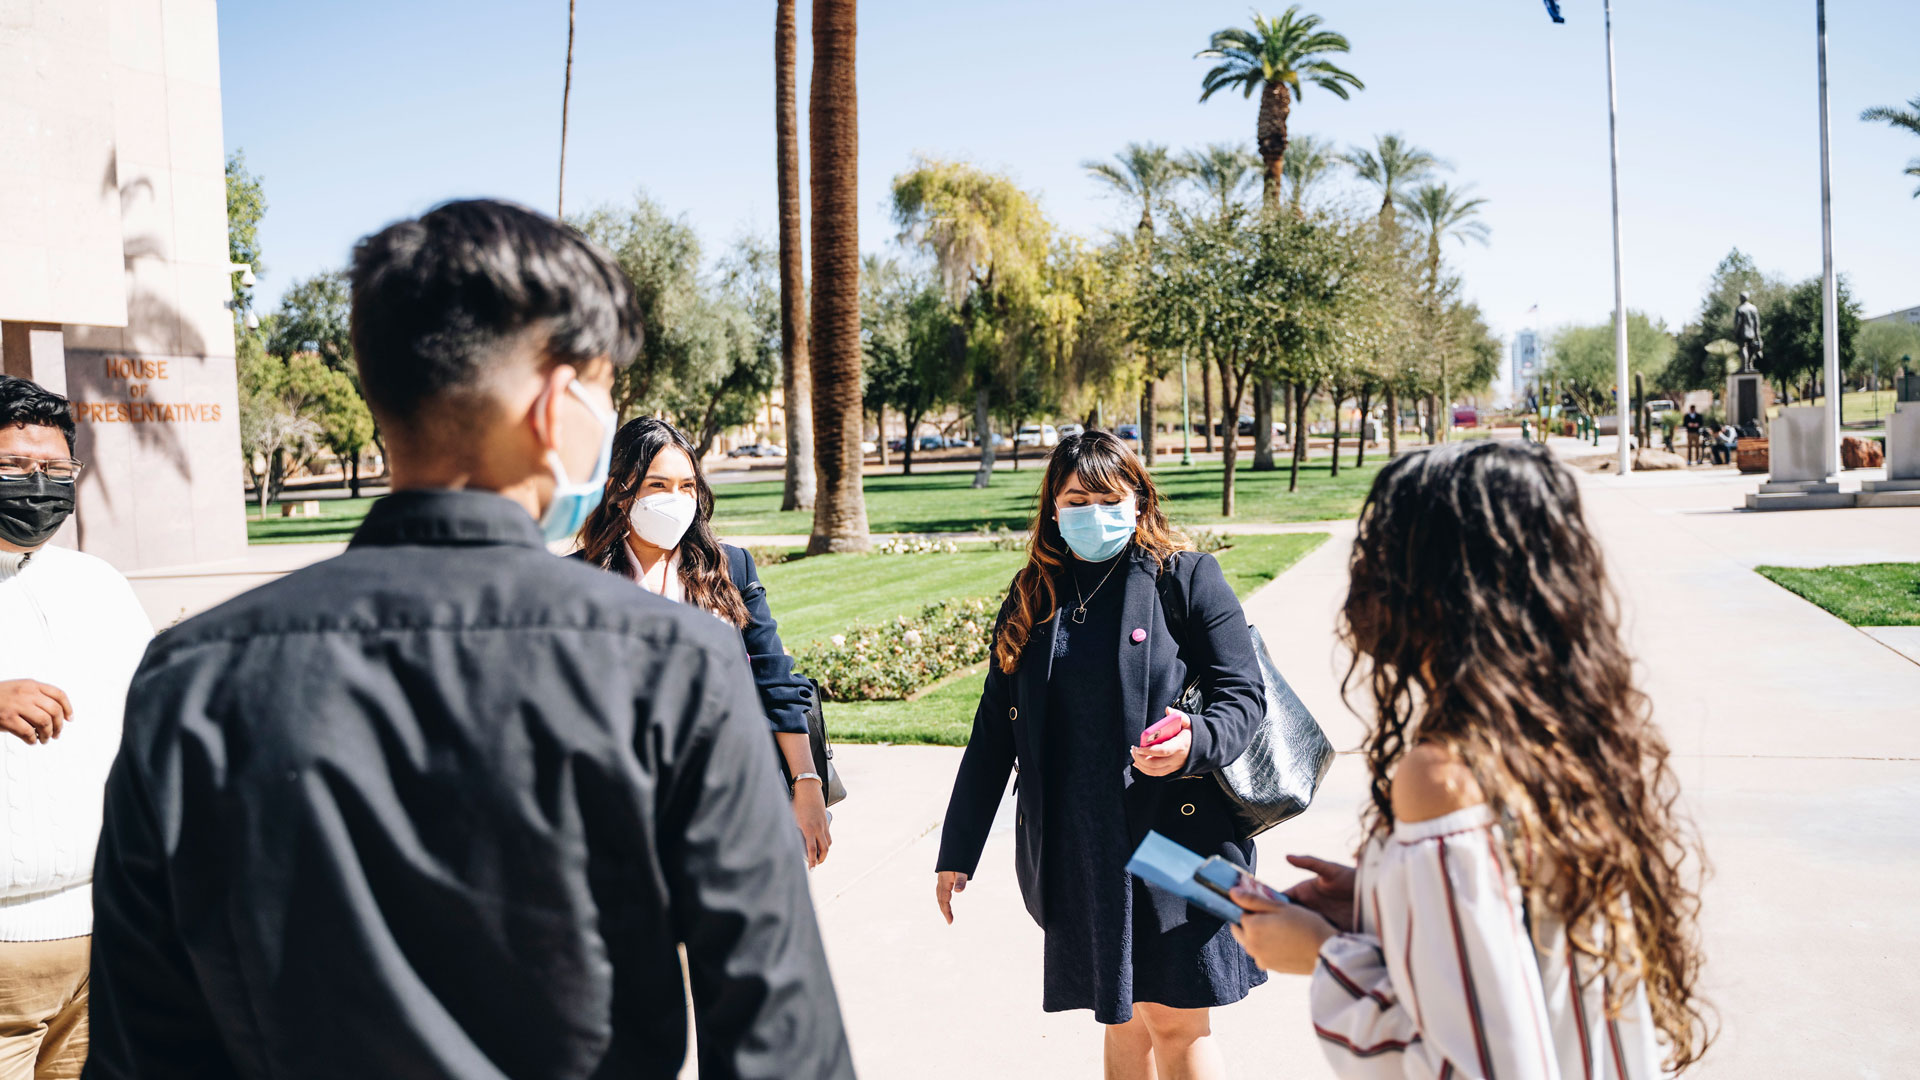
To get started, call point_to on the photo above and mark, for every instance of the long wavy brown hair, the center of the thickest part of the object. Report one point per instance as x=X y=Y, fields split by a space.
x=1481 y=619
x=1103 y=464
x=603 y=539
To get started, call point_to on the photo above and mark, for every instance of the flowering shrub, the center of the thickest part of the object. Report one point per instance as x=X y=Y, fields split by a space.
x=891 y=660
x=916 y=545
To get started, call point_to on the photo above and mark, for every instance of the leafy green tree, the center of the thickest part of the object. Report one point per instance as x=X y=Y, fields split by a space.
x=1277 y=58
x=661 y=257
x=271 y=425
x=989 y=243
x=1391 y=166
x=1580 y=359
x=246 y=205
x=733 y=346
x=330 y=399
x=1793 y=326
x=1220 y=172
x=1703 y=347
x=316 y=316
x=909 y=333
x=1882 y=347
x=1907 y=119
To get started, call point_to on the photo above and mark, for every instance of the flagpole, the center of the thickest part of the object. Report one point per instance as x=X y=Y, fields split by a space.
x=1622 y=397
x=1829 y=315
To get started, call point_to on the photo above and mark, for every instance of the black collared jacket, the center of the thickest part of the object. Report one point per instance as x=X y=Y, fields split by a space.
x=1154 y=670
x=445 y=806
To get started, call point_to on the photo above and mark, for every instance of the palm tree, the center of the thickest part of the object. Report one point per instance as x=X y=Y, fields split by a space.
x=796 y=378
x=839 y=413
x=1221 y=171
x=1310 y=160
x=1142 y=171
x=1391 y=165
x=566 y=98
x=1277 y=58
x=1441 y=213
x=1907 y=119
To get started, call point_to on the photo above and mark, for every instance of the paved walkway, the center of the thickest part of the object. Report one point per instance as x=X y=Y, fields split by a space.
x=1795 y=738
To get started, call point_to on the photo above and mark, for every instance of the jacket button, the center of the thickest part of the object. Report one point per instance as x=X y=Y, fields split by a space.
x=1187 y=809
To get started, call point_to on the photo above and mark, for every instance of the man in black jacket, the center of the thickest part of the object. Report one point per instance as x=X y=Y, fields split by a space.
x=446 y=806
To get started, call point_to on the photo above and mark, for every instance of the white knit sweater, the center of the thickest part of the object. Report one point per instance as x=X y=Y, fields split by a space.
x=72 y=621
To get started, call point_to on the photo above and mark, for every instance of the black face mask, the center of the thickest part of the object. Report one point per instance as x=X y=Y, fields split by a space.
x=32 y=510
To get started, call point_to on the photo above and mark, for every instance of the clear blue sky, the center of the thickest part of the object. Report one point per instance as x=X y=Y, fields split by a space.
x=357 y=113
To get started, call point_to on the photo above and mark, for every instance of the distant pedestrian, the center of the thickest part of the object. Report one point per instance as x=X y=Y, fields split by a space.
x=71 y=634
x=655 y=526
x=1725 y=445
x=1694 y=423
x=1084 y=661
x=447 y=806
x=1522 y=906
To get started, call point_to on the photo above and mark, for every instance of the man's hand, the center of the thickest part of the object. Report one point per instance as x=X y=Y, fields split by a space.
x=1328 y=894
x=32 y=711
x=1281 y=938
x=950 y=882
x=1166 y=758
x=810 y=813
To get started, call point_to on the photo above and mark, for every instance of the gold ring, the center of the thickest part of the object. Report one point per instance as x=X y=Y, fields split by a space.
x=1187 y=810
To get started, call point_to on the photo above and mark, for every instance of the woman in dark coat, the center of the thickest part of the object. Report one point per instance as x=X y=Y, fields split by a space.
x=1084 y=660
x=655 y=526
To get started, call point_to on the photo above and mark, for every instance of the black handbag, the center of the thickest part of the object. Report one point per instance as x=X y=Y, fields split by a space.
x=1288 y=756
x=822 y=748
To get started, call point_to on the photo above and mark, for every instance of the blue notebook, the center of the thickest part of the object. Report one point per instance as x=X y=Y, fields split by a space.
x=1166 y=865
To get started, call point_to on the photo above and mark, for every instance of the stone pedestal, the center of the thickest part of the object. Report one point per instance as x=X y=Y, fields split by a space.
x=1902 y=485
x=1749 y=397
x=1797 y=465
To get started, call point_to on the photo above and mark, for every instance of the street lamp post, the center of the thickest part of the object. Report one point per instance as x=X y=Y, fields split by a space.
x=1186 y=414
x=1619 y=286
x=1829 y=316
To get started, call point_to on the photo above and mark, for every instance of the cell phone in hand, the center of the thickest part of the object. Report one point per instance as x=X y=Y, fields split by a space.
x=1166 y=729
x=1222 y=876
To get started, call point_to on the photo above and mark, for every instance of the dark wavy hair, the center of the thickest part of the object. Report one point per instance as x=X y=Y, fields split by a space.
x=1103 y=464
x=603 y=539
x=24 y=402
x=1481 y=619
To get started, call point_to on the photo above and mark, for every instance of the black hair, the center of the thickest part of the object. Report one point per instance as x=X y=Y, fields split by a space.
x=437 y=300
x=24 y=402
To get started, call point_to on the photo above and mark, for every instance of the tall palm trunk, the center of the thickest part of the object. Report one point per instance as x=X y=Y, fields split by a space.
x=566 y=99
x=796 y=377
x=840 y=507
x=1270 y=132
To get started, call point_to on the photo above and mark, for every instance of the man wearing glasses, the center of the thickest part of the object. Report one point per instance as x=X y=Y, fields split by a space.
x=71 y=634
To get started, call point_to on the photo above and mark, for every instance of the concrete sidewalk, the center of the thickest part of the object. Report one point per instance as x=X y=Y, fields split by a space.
x=1795 y=741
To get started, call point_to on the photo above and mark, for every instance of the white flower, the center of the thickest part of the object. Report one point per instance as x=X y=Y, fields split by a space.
x=839 y=641
x=911 y=637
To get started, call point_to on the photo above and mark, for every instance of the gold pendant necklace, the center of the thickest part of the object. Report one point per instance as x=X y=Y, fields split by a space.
x=1080 y=613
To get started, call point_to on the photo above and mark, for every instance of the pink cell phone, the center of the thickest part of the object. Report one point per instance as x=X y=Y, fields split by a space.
x=1166 y=729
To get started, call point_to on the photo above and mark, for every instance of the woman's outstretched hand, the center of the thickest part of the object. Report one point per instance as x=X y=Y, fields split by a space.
x=1328 y=893
x=1166 y=758
x=1282 y=938
x=810 y=813
x=950 y=882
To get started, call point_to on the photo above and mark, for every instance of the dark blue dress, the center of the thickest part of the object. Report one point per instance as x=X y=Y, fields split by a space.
x=1103 y=950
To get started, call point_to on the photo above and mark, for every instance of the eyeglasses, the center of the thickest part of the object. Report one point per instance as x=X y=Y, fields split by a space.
x=58 y=470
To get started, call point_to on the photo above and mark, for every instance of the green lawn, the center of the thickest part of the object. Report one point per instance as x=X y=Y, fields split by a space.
x=818 y=597
x=1871 y=594
x=948 y=502
x=943 y=716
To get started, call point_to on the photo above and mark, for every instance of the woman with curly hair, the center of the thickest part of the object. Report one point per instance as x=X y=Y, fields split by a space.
x=1520 y=908
x=1084 y=661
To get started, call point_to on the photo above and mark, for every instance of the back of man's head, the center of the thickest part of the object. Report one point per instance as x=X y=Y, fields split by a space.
x=449 y=304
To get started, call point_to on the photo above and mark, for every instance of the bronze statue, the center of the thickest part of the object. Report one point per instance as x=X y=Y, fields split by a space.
x=1746 y=334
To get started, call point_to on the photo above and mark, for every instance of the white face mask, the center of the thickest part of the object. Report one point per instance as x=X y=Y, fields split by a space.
x=661 y=519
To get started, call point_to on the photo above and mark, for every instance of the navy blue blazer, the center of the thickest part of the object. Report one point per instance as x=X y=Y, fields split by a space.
x=784 y=694
x=1188 y=806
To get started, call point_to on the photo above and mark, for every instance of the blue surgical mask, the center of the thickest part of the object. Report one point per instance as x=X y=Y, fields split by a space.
x=1096 y=532
x=573 y=502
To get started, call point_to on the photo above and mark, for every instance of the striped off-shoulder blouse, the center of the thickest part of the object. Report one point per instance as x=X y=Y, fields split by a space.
x=1447 y=977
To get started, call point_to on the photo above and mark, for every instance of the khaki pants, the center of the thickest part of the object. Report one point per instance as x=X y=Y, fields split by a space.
x=43 y=1008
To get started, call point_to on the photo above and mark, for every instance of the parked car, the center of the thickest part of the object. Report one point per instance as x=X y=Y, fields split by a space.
x=867 y=447
x=745 y=450
x=1038 y=435
x=770 y=450
x=897 y=444
x=1466 y=416
x=999 y=440
x=1128 y=431
x=1071 y=429
x=931 y=442
x=955 y=442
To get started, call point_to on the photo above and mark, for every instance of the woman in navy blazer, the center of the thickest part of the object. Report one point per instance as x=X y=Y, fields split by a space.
x=654 y=525
x=1085 y=659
